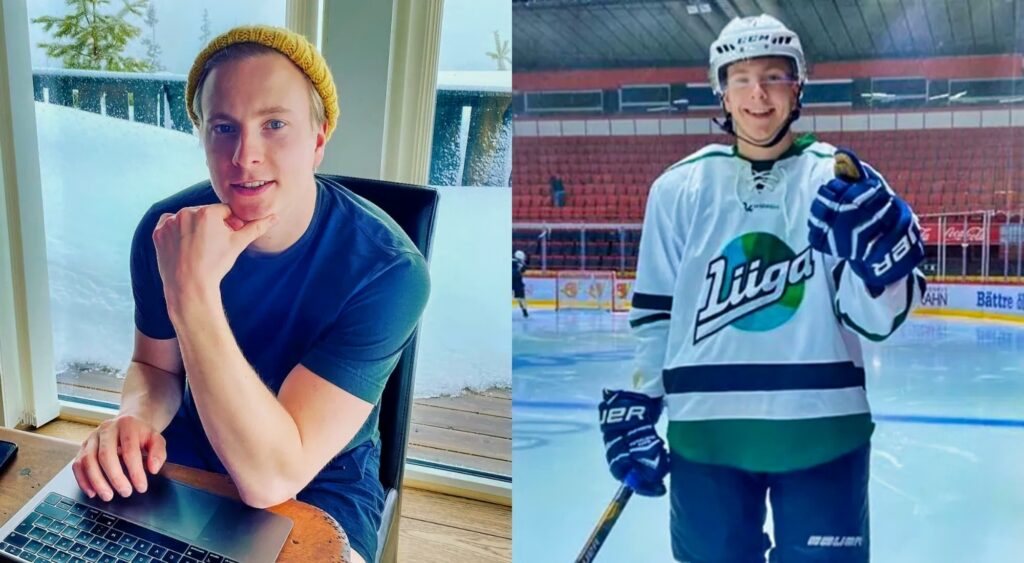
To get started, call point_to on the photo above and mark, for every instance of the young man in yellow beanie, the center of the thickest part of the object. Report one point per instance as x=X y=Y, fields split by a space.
x=270 y=304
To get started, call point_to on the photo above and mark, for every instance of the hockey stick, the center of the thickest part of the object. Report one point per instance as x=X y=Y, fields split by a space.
x=604 y=525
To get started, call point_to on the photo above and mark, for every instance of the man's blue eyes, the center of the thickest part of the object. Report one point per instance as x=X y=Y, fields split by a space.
x=223 y=128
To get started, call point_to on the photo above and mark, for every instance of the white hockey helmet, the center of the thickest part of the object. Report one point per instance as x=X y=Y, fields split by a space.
x=520 y=255
x=753 y=37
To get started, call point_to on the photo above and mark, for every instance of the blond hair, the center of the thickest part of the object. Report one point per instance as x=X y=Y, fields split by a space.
x=242 y=51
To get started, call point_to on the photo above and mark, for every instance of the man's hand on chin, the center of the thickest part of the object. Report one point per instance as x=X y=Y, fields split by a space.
x=235 y=222
x=197 y=246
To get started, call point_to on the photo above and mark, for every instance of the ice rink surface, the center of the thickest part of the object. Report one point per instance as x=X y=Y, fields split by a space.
x=947 y=467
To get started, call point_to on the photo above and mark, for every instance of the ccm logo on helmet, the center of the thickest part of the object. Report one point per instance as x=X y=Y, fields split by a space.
x=622 y=414
x=753 y=38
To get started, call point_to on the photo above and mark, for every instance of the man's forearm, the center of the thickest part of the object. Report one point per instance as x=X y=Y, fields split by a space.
x=254 y=436
x=151 y=394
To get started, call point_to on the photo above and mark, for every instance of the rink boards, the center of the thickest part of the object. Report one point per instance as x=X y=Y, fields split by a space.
x=974 y=300
x=581 y=289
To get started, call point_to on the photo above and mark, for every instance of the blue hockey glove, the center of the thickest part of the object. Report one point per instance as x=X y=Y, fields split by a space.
x=636 y=454
x=857 y=218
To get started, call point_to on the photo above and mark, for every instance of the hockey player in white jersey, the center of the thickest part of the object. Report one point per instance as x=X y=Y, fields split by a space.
x=762 y=267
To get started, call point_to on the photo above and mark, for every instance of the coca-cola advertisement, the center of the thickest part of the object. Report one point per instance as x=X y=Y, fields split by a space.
x=955 y=233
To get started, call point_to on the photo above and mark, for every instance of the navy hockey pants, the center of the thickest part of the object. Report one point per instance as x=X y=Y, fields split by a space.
x=819 y=514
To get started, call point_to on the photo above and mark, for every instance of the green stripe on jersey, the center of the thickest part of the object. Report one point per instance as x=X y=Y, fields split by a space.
x=769 y=445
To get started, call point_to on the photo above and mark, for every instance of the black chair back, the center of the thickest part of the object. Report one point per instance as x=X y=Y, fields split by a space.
x=414 y=208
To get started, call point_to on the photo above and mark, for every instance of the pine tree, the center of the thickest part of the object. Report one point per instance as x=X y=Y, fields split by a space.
x=153 y=49
x=204 y=35
x=88 y=39
x=500 y=53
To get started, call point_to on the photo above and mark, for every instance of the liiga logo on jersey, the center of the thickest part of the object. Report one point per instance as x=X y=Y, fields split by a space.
x=757 y=284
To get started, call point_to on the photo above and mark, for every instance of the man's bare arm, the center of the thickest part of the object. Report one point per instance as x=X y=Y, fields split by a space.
x=270 y=451
x=154 y=382
x=151 y=395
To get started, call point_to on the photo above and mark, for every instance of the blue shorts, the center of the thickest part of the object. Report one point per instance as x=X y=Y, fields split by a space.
x=820 y=514
x=348 y=488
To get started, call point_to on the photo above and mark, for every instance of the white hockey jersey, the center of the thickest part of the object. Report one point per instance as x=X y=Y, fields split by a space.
x=749 y=334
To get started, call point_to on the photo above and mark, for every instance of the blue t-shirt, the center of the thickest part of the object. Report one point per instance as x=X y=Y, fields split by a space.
x=342 y=301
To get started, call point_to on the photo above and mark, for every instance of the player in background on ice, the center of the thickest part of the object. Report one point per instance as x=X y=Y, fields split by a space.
x=759 y=273
x=518 y=288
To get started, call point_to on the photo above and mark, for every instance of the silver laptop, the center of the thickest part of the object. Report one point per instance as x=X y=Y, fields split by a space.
x=170 y=522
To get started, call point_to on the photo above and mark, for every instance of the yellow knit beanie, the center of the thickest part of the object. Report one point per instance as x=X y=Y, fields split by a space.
x=288 y=43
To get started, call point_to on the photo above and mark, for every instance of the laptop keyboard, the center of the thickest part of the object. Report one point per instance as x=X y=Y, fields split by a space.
x=63 y=531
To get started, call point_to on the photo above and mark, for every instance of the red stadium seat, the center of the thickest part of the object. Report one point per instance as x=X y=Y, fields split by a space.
x=607 y=178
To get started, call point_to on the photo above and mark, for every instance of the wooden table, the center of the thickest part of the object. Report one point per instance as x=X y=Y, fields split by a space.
x=316 y=536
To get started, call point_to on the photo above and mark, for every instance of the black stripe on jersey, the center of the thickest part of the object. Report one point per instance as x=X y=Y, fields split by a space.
x=914 y=280
x=837 y=273
x=652 y=302
x=762 y=377
x=650 y=319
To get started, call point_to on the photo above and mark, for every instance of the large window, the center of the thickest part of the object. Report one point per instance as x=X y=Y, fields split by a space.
x=114 y=138
x=462 y=412
x=113 y=142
